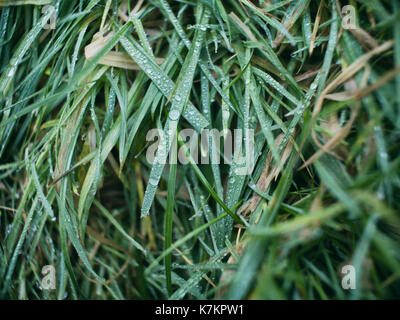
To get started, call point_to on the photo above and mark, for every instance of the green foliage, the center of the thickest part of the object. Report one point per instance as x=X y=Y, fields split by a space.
x=76 y=189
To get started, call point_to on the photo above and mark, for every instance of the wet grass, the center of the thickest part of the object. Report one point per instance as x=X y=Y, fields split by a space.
x=76 y=189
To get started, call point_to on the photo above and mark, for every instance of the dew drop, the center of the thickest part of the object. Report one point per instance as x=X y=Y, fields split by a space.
x=174 y=114
x=153 y=182
x=11 y=73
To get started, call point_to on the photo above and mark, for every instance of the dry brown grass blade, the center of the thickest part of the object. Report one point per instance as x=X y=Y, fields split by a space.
x=340 y=96
x=365 y=39
x=267 y=176
x=345 y=75
x=316 y=26
x=122 y=11
x=245 y=28
x=351 y=87
x=244 y=8
x=103 y=240
x=334 y=141
x=261 y=10
x=288 y=25
x=361 y=93
x=99 y=42
x=122 y=60
x=307 y=75
x=227 y=273
x=348 y=73
x=189 y=262
x=376 y=85
x=112 y=58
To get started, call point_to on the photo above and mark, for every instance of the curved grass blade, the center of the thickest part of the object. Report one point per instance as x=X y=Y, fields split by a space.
x=179 y=101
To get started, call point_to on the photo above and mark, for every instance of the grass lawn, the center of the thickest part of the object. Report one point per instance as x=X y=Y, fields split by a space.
x=305 y=93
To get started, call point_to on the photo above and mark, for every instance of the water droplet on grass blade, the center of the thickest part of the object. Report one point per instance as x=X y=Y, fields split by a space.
x=174 y=114
x=153 y=182
x=11 y=73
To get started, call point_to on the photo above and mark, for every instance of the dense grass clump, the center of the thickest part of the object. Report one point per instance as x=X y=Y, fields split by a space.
x=82 y=83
